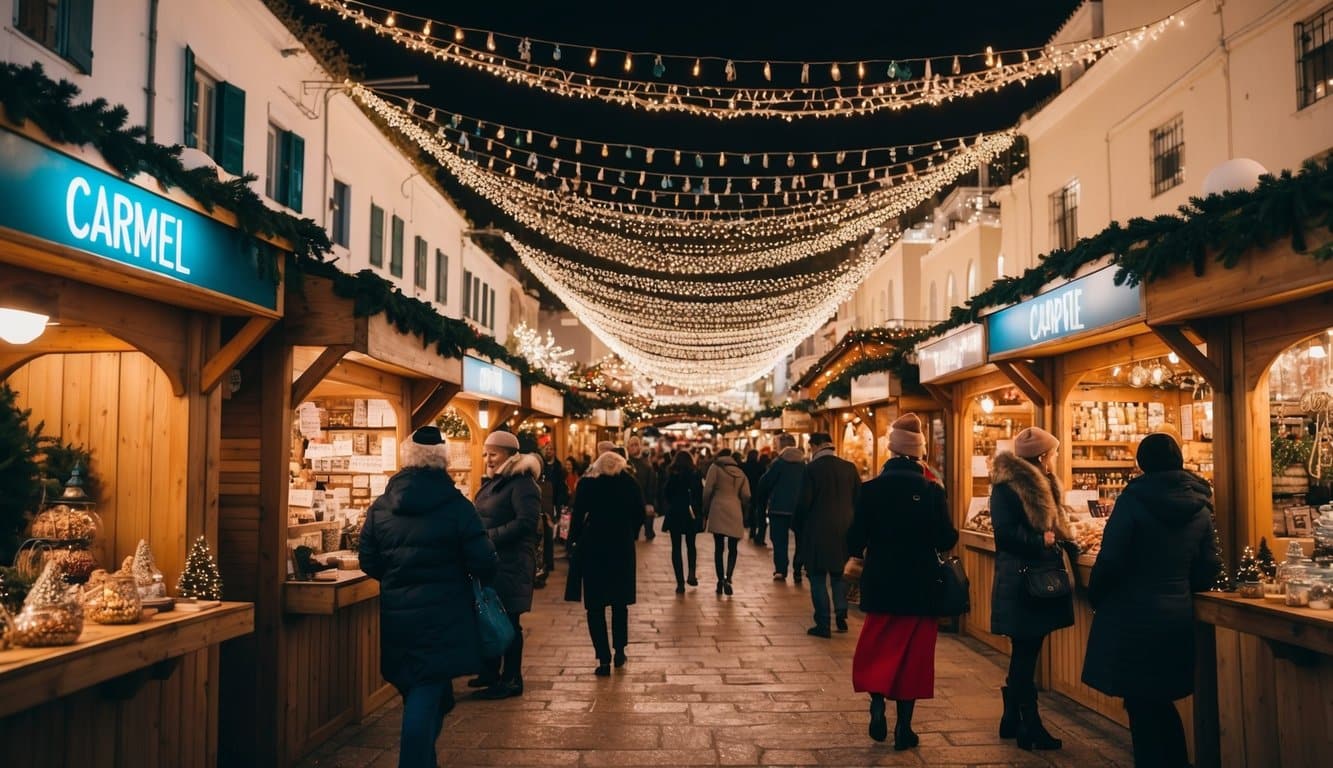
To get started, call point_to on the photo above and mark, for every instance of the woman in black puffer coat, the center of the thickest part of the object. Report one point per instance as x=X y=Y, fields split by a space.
x=1157 y=551
x=1027 y=510
x=683 y=494
x=510 y=502
x=422 y=540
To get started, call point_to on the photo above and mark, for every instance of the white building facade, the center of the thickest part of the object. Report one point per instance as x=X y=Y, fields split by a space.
x=226 y=77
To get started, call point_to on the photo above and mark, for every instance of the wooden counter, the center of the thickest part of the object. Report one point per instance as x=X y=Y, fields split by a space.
x=324 y=598
x=1265 y=673
x=30 y=677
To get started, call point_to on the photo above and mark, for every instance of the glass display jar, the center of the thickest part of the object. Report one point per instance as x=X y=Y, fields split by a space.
x=70 y=517
x=113 y=599
x=1323 y=536
x=41 y=626
x=1321 y=589
x=1299 y=581
x=1295 y=559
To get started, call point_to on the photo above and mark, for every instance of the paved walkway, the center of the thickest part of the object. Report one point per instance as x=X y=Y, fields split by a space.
x=724 y=681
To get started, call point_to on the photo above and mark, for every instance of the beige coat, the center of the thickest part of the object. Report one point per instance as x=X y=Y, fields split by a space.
x=726 y=495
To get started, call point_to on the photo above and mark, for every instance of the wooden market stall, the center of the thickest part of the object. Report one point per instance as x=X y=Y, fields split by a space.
x=151 y=300
x=309 y=440
x=1265 y=669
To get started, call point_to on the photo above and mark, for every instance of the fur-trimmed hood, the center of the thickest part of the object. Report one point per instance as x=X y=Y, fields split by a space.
x=609 y=463
x=522 y=463
x=792 y=454
x=1036 y=490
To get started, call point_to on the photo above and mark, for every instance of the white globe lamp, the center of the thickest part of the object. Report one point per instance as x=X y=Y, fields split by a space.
x=19 y=326
x=1234 y=175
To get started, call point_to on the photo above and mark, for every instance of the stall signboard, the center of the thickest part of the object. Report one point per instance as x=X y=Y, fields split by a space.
x=874 y=387
x=53 y=197
x=546 y=400
x=958 y=351
x=797 y=421
x=491 y=382
x=1089 y=303
x=771 y=425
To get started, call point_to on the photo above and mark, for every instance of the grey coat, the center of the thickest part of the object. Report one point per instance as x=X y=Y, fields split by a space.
x=824 y=512
x=726 y=495
x=509 y=504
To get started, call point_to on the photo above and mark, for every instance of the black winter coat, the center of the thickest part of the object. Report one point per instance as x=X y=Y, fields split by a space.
x=1024 y=503
x=421 y=540
x=901 y=521
x=682 y=492
x=828 y=498
x=608 y=513
x=1156 y=552
x=509 y=504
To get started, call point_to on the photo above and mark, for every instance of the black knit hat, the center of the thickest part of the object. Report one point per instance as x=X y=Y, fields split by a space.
x=821 y=438
x=427 y=436
x=1159 y=453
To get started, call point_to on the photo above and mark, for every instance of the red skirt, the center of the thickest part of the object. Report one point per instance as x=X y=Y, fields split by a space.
x=895 y=656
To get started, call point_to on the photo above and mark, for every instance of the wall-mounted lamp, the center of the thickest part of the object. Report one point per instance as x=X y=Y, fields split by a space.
x=484 y=414
x=18 y=326
x=1173 y=358
x=987 y=404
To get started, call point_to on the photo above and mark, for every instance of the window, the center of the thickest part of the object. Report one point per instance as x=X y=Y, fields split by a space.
x=999 y=265
x=285 y=169
x=441 y=277
x=950 y=294
x=214 y=117
x=1168 y=155
x=971 y=279
x=476 y=298
x=341 y=208
x=467 y=293
x=1314 y=57
x=934 y=301
x=64 y=26
x=419 y=263
x=1064 y=216
x=485 y=306
x=376 y=236
x=490 y=318
x=396 y=248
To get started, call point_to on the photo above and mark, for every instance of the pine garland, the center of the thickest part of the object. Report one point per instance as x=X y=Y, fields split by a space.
x=20 y=486
x=26 y=93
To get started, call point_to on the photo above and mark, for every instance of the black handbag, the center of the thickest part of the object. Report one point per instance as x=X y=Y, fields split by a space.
x=953 y=588
x=1047 y=581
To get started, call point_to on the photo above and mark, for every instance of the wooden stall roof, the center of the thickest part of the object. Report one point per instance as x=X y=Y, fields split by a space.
x=1262 y=278
x=30 y=677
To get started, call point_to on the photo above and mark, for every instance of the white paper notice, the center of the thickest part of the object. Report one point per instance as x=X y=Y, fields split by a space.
x=318 y=451
x=980 y=467
x=341 y=495
x=342 y=447
x=300 y=497
x=378 y=484
x=359 y=414
x=388 y=454
x=360 y=481
x=1078 y=499
x=1187 y=422
x=366 y=464
x=308 y=413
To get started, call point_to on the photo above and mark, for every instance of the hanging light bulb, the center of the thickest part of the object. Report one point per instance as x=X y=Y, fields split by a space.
x=861 y=70
x=1115 y=372
x=490 y=41
x=990 y=57
x=458 y=34
x=768 y=71
x=629 y=62
x=19 y=326
x=425 y=30
x=392 y=20
x=484 y=414
x=606 y=150
x=1138 y=376
x=987 y=404
x=1173 y=358
x=814 y=161
x=957 y=66
x=1157 y=374
x=697 y=68
x=835 y=72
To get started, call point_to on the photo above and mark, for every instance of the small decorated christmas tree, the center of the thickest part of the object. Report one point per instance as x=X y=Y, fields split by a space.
x=201 y=579
x=1249 y=568
x=1267 y=565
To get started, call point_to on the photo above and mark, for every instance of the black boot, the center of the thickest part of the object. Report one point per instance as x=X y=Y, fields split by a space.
x=1031 y=733
x=879 y=724
x=903 y=735
x=1009 y=720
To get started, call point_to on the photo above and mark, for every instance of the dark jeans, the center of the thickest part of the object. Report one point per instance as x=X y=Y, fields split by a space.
x=720 y=543
x=675 y=554
x=1023 y=663
x=424 y=708
x=509 y=668
x=820 y=584
x=648 y=531
x=1159 y=737
x=619 y=630
x=758 y=525
x=781 y=528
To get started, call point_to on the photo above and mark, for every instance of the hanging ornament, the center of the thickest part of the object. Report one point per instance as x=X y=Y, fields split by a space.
x=686 y=187
x=578 y=170
x=453 y=121
x=525 y=49
x=904 y=72
x=508 y=153
x=592 y=58
x=937 y=146
x=805 y=73
x=999 y=60
x=490 y=145
x=835 y=73
x=957 y=66
x=754 y=183
x=500 y=133
x=698 y=161
x=697 y=68
x=555 y=54
x=730 y=70
x=462 y=141
x=629 y=62
x=659 y=68
x=768 y=72
x=629 y=153
x=529 y=138
x=893 y=70
x=490 y=41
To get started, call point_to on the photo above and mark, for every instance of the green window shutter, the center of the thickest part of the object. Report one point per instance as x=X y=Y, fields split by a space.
x=291 y=185
x=231 y=129
x=396 y=248
x=376 y=236
x=79 y=34
x=467 y=293
x=191 y=96
x=419 y=265
x=441 y=277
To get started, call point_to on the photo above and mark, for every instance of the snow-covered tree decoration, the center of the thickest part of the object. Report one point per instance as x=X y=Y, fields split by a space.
x=543 y=353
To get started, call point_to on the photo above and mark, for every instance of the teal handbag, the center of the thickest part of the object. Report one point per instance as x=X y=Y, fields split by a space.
x=493 y=627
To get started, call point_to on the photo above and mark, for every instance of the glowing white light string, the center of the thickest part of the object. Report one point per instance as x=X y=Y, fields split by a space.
x=879 y=85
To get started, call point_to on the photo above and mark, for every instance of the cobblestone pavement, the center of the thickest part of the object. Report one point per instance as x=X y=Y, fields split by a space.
x=724 y=681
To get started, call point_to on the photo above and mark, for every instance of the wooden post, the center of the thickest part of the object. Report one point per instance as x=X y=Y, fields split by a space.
x=275 y=450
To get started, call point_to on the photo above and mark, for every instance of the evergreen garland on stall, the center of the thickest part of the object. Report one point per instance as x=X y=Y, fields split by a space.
x=26 y=93
x=20 y=483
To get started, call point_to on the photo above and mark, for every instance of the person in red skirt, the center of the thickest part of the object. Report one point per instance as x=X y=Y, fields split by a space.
x=901 y=522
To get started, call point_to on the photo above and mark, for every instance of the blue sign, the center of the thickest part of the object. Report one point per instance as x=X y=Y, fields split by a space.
x=54 y=197
x=491 y=381
x=1090 y=303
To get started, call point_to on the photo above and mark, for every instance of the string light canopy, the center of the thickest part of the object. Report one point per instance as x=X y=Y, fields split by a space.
x=656 y=82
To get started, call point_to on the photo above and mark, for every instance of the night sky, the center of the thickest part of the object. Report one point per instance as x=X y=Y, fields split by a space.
x=843 y=31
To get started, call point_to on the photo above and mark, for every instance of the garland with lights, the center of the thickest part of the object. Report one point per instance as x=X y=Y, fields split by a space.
x=542 y=354
x=701 y=411
x=748 y=89
x=27 y=94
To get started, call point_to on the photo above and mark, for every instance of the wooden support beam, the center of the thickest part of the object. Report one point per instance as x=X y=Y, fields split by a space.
x=941 y=396
x=12 y=361
x=500 y=413
x=1174 y=337
x=231 y=353
x=1027 y=380
x=310 y=377
x=426 y=411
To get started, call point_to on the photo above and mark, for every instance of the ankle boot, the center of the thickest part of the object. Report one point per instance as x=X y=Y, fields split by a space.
x=1031 y=733
x=1009 y=720
x=879 y=724
x=903 y=735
